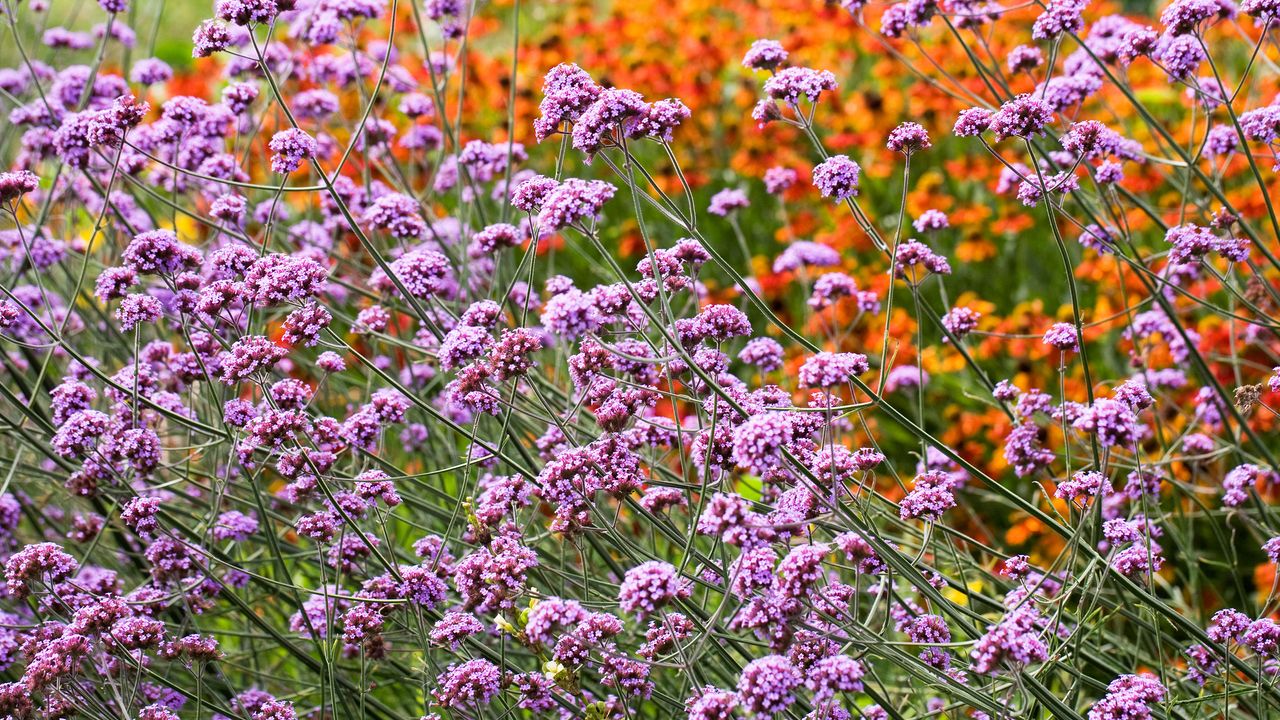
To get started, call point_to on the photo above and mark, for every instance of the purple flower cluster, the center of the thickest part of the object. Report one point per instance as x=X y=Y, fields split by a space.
x=837 y=177
x=291 y=148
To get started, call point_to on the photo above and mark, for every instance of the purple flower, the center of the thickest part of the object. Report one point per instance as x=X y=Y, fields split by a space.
x=765 y=353
x=463 y=344
x=658 y=120
x=765 y=112
x=274 y=710
x=140 y=514
x=14 y=185
x=79 y=433
x=492 y=238
x=304 y=325
x=1084 y=483
x=573 y=202
x=277 y=279
x=1262 y=11
x=59 y=37
x=649 y=586
x=1059 y=17
x=570 y=314
x=423 y=272
x=1024 y=58
x=292 y=147
x=767 y=685
x=903 y=16
x=837 y=177
x=758 y=443
x=778 y=180
x=1133 y=392
x=1183 y=17
x=1138 y=560
x=454 y=627
x=1062 y=336
x=246 y=12
x=1016 y=640
x=1022 y=117
x=1092 y=140
x=1228 y=625
x=800 y=570
x=68 y=398
x=249 y=355
x=608 y=112
x=158 y=252
x=960 y=321
x=832 y=675
x=1112 y=421
x=723 y=322
x=397 y=214
x=450 y=15
x=711 y=703
x=137 y=633
x=908 y=139
x=150 y=71
x=137 y=309
x=913 y=254
x=1202 y=664
x=931 y=495
x=805 y=253
x=905 y=376
x=790 y=84
x=530 y=194
x=1179 y=55
x=331 y=362
x=469 y=685
x=511 y=356
x=234 y=526
x=1193 y=242
x=726 y=201
x=764 y=55
x=1239 y=481
x=972 y=122
x=827 y=369
x=931 y=221
x=1128 y=698
x=829 y=288
x=567 y=92
x=372 y=320
x=1272 y=549
x=43 y=562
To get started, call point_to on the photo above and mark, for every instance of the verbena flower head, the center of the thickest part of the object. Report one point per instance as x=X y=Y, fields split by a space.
x=1024 y=117
x=972 y=122
x=14 y=185
x=1062 y=336
x=778 y=180
x=826 y=369
x=567 y=92
x=726 y=201
x=764 y=55
x=767 y=685
x=291 y=149
x=908 y=139
x=790 y=84
x=573 y=203
x=649 y=586
x=837 y=177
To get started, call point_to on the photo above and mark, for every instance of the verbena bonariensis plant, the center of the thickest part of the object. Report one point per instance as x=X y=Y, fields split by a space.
x=301 y=419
